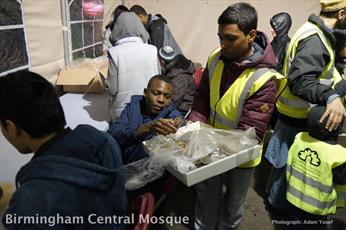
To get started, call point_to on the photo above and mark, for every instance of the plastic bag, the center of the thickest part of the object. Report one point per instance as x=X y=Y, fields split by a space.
x=90 y=63
x=184 y=150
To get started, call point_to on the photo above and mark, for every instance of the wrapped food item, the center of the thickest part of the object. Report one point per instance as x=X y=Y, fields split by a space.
x=191 y=145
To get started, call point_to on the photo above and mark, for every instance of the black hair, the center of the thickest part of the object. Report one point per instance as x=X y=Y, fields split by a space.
x=116 y=13
x=242 y=14
x=317 y=129
x=30 y=101
x=139 y=10
x=160 y=77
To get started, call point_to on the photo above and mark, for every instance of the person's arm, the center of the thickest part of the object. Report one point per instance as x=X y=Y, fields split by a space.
x=112 y=78
x=106 y=43
x=258 y=110
x=201 y=104
x=123 y=130
x=308 y=64
x=157 y=33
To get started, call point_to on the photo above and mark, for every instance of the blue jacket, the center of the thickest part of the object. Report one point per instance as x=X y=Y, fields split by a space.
x=123 y=129
x=75 y=174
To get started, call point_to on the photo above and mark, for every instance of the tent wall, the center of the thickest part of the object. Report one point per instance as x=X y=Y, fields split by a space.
x=194 y=22
x=43 y=27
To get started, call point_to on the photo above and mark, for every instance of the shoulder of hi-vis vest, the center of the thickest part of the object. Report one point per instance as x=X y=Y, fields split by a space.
x=225 y=111
x=289 y=104
x=309 y=174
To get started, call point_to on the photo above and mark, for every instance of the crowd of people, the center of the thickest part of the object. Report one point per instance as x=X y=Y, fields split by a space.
x=294 y=85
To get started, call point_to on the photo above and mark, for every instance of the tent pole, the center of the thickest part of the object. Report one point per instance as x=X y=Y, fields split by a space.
x=65 y=27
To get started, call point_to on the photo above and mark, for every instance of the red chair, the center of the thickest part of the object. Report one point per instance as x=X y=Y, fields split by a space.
x=197 y=76
x=142 y=205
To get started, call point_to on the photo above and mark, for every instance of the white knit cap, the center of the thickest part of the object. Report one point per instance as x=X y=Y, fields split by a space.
x=167 y=53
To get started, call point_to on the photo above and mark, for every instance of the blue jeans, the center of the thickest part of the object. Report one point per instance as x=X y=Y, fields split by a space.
x=216 y=209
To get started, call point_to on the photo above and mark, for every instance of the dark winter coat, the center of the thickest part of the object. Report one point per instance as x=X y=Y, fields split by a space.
x=310 y=61
x=180 y=72
x=123 y=129
x=252 y=115
x=76 y=173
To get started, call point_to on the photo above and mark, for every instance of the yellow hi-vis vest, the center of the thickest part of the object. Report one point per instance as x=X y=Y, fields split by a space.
x=226 y=111
x=309 y=174
x=289 y=104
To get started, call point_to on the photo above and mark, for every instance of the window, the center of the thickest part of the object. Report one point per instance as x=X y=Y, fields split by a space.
x=13 y=52
x=85 y=18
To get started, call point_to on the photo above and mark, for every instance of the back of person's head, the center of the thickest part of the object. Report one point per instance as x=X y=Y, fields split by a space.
x=281 y=23
x=317 y=129
x=139 y=10
x=116 y=13
x=241 y=14
x=123 y=30
x=31 y=103
x=329 y=8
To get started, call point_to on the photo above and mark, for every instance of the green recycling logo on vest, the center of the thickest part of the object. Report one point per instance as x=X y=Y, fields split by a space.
x=310 y=155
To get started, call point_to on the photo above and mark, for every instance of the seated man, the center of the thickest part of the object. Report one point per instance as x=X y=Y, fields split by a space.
x=73 y=173
x=144 y=117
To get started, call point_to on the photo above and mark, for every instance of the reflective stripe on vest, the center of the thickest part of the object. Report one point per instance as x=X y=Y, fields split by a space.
x=308 y=180
x=226 y=110
x=308 y=199
x=309 y=174
x=289 y=104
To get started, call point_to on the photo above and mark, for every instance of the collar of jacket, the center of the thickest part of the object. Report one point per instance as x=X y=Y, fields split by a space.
x=314 y=19
x=129 y=39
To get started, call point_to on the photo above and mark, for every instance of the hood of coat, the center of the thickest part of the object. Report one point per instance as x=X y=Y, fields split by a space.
x=281 y=24
x=129 y=25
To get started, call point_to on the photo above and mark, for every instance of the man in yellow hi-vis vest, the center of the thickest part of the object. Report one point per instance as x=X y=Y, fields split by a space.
x=316 y=163
x=237 y=90
x=311 y=77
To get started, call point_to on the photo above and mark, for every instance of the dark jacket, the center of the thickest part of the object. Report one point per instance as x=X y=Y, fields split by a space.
x=310 y=61
x=281 y=24
x=160 y=34
x=180 y=72
x=123 y=129
x=76 y=173
x=252 y=115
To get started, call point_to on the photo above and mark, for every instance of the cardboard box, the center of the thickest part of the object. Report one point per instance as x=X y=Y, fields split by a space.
x=218 y=167
x=84 y=77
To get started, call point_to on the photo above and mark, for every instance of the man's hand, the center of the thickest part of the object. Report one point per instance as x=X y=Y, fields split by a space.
x=163 y=126
x=335 y=112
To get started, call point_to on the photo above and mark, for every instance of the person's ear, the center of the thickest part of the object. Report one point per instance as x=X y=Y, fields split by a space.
x=341 y=15
x=252 y=35
x=11 y=128
x=145 y=92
